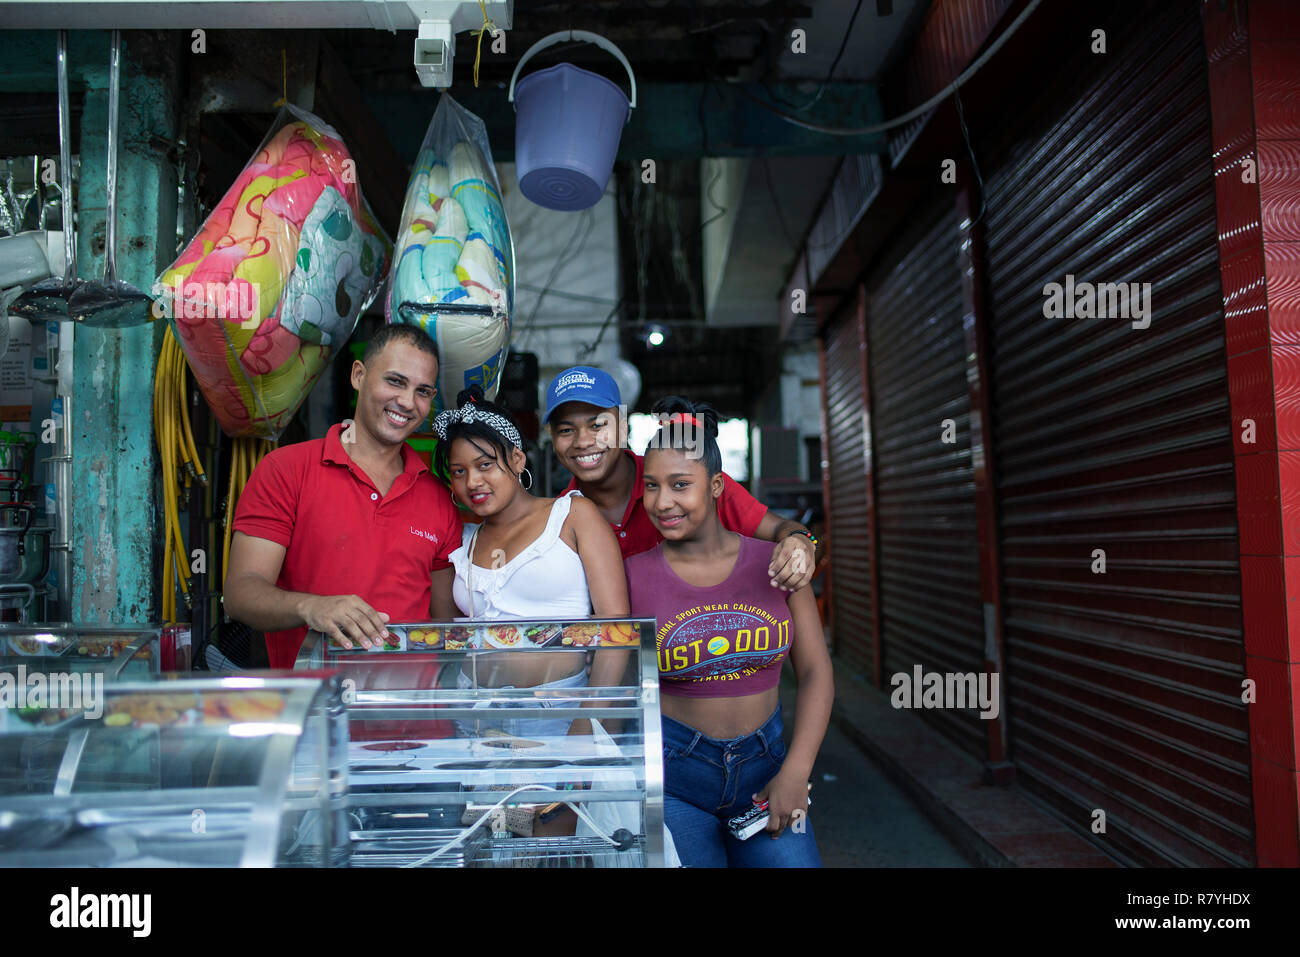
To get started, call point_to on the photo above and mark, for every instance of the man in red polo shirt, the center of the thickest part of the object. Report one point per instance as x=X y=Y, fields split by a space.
x=347 y=533
x=583 y=412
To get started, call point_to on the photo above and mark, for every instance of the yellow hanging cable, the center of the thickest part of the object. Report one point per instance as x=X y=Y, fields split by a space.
x=177 y=387
x=177 y=454
x=171 y=518
x=166 y=456
x=171 y=485
x=159 y=388
x=237 y=447
x=488 y=27
x=187 y=429
x=245 y=454
x=177 y=361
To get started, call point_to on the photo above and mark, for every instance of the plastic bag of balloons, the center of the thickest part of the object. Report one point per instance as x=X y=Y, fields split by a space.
x=453 y=262
x=272 y=284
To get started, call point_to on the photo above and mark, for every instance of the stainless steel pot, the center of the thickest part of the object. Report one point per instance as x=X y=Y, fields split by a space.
x=25 y=549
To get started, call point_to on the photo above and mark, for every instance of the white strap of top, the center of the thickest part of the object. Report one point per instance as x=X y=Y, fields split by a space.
x=559 y=512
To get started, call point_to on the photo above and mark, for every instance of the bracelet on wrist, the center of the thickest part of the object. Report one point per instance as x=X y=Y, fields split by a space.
x=808 y=535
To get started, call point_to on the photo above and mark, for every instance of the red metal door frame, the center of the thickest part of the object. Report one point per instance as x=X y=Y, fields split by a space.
x=828 y=596
x=1254 y=86
x=998 y=768
x=868 y=465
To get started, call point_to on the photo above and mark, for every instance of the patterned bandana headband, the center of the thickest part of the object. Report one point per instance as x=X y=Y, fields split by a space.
x=470 y=412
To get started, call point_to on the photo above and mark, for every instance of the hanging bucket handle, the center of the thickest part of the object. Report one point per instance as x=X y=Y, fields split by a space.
x=564 y=36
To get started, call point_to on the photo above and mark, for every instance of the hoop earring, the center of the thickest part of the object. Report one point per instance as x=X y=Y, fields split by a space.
x=529 y=486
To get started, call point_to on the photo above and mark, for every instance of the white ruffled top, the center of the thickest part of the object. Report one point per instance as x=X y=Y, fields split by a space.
x=545 y=580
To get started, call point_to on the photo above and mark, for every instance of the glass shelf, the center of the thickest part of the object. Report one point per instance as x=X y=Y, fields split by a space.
x=450 y=717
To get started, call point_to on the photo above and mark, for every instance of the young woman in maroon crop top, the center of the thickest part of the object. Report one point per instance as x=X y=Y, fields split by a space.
x=724 y=632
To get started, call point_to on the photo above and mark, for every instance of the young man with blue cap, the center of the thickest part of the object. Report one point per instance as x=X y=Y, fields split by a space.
x=589 y=434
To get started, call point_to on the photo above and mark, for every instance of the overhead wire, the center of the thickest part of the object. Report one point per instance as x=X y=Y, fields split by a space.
x=844 y=42
x=962 y=79
x=974 y=163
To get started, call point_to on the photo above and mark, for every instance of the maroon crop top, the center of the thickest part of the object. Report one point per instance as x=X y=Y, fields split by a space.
x=723 y=641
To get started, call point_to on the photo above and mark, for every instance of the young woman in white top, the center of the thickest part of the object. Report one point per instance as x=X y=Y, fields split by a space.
x=529 y=558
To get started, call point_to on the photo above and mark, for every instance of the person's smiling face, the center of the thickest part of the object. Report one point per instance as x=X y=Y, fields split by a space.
x=679 y=494
x=586 y=440
x=480 y=480
x=395 y=391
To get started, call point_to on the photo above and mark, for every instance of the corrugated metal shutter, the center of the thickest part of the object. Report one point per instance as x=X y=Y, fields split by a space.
x=848 y=527
x=930 y=607
x=1125 y=686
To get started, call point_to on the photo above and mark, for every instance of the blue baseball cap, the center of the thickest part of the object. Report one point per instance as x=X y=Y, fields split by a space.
x=582 y=384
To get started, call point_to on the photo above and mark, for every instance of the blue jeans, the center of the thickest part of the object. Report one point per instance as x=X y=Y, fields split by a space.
x=707 y=782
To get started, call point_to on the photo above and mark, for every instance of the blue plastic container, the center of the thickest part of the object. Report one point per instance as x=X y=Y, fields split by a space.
x=567 y=128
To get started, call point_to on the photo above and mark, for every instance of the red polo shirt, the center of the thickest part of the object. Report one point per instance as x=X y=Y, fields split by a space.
x=739 y=511
x=342 y=537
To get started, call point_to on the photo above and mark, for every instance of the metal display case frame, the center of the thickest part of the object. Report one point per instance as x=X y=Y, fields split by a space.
x=59 y=642
x=636 y=702
x=300 y=772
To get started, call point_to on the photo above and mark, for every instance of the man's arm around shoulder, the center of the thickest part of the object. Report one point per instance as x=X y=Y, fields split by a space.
x=795 y=557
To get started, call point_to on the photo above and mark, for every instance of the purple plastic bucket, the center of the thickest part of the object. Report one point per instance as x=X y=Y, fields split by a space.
x=567 y=127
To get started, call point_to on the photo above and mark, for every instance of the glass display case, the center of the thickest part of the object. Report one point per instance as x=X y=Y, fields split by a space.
x=123 y=652
x=247 y=770
x=503 y=743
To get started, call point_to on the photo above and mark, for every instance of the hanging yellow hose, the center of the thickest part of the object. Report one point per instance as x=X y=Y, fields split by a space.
x=181 y=465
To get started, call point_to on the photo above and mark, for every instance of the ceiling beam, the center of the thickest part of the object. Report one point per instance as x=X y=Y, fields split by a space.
x=671 y=121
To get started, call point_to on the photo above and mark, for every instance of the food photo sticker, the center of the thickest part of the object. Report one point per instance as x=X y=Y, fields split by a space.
x=187 y=709
x=625 y=633
x=165 y=709
x=396 y=641
x=459 y=637
x=33 y=646
x=542 y=634
x=505 y=636
x=42 y=717
x=108 y=646
x=502 y=636
x=584 y=635
x=553 y=635
x=423 y=639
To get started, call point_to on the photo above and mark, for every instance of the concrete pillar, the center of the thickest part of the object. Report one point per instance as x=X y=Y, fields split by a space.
x=115 y=524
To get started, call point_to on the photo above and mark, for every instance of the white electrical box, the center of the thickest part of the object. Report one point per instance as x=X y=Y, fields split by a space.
x=435 y=51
